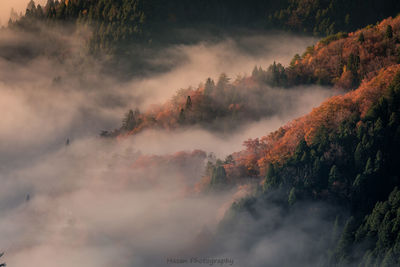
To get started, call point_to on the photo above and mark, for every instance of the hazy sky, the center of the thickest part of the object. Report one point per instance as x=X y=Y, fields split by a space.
x=18 y=5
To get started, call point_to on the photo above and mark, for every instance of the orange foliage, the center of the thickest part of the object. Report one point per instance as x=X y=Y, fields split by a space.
x=326 y=61
x=281 y=144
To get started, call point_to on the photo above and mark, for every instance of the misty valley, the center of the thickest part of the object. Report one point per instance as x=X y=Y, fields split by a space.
x=199 y=133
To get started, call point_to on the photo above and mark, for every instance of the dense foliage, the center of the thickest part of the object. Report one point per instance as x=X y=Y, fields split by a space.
x=344 y=153
x=115 y=23
x=344 y=60
x=354 y=166
x=220 y=105
x=326 y=17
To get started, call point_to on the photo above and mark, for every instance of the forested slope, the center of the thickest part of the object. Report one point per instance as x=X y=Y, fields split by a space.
x=345 y=153
x=125 y=21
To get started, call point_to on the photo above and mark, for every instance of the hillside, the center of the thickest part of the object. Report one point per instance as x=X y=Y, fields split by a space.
x=116 y=23
x=344 y=153
x=344 y=60
x=171 y=183
x=223 y=106
x=329 y=17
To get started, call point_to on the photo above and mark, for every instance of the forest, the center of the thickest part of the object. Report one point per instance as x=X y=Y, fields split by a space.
x=262 y=133
x=122 y=22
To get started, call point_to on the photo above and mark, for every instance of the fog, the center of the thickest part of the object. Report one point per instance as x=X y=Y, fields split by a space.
x=275 y=237
x=235 y=56
x=222 y=144
x=69 y=197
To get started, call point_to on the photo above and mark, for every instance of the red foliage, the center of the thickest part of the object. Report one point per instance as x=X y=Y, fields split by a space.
x=327 y=62
x=279 y=145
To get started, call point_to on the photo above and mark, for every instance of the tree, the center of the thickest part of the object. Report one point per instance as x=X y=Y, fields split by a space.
x=209 y=87
x=359 y=156
x=218 y=177
x=353 y=63
x=130 y=120
x=39 y=12
x=292 y=196
x=223 y=81
x=295 y=59
x=343 y=249
x=335 y=230
x=13 y=15
x=2 y=264
x=31 y=6
x=255 y=72
x=389 y=259
x=369 y=167
x=333 y=175
x=361 y=38
x=389 y=32
x=271 y=179
x=181 y=118
x=188 y=103
x=277 y=74
x=378 y=161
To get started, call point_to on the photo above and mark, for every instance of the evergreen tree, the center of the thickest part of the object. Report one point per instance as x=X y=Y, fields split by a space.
x=209 y=87
x=182 y=117
x=2 y=264
x=333 y=175
x=223 y=82
x=188 y=105
x=361 y=38
x=292 y=196
x=389 y=32
x=218 y=177
x=129 y=122
x=343 y=249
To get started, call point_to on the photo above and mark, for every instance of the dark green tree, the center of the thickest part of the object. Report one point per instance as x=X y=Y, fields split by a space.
x=292 y=196
x=188 y=105
x=209 y=87
x=389 y=32
x=361 y=38
x=333 y=175
x=218 y=177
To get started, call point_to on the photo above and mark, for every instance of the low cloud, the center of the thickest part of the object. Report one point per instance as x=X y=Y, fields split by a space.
x=87 y=203
x=235 y=56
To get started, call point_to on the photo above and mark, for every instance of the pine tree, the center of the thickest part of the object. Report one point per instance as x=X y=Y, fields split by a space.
x=292 y=196
x=389 y=260
x=368 y=167
x=361 y=38
x=188 y=105
x=333 y=175
x=343 y=249
x=389 y=32
x=2 y=264
x=218 y=177
x=181 y=118
x=129 y=121
x=209 y=87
